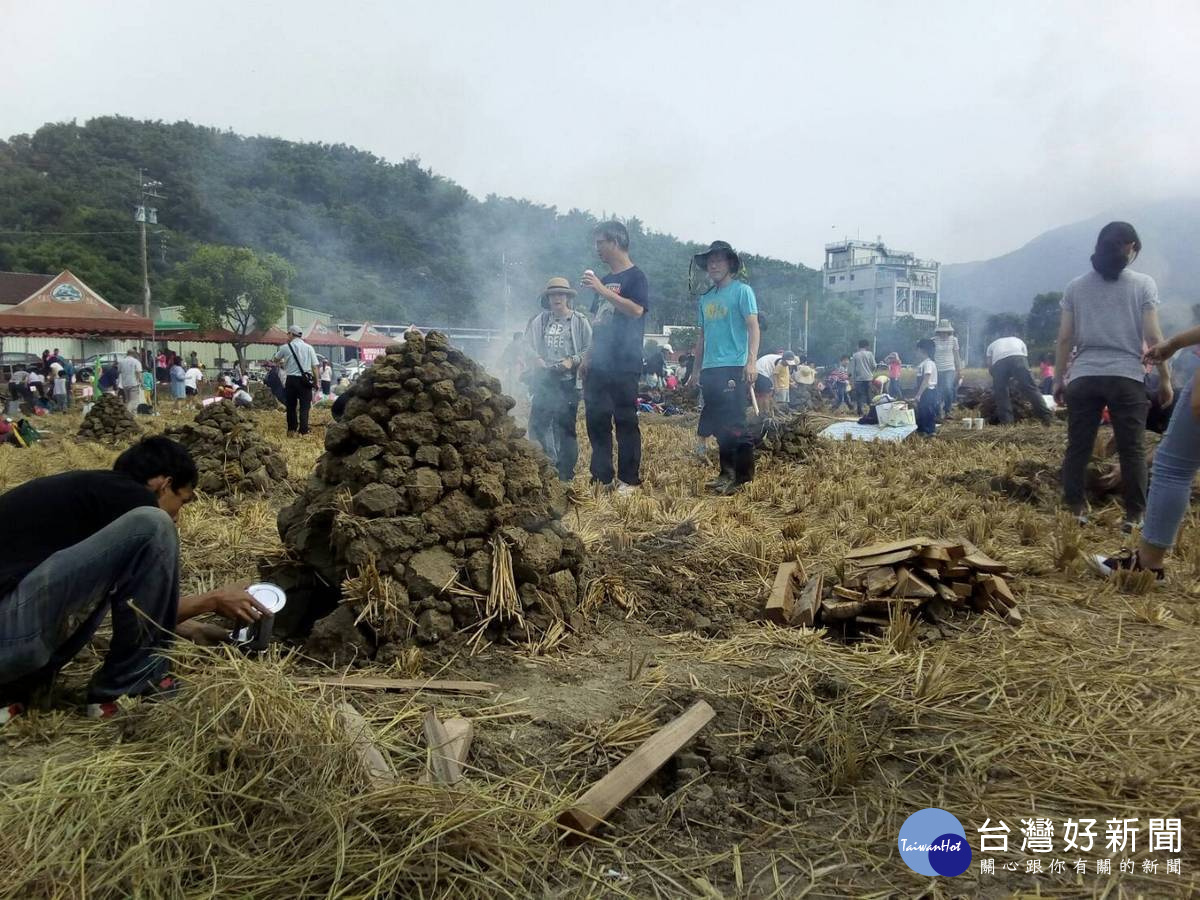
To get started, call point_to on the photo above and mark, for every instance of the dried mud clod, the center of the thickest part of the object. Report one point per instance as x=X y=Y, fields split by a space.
x=230 y=454
x=109 y=421
x=431 y=510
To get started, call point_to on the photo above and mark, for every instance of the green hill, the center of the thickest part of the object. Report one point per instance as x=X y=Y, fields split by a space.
x=369 y=239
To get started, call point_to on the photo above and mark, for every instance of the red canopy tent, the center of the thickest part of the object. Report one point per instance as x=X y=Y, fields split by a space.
x=370 y=341
x=321 y=335
x=266 y=336
x=200 y=336
x=66 y=307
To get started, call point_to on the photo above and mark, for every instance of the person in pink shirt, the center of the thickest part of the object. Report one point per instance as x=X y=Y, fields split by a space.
x=893 y=364
x=1046 y=371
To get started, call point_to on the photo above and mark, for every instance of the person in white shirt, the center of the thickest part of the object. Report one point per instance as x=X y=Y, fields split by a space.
x=191 y=380
x=927 y=388
x=129 y=380
x=1008 y=361
x=299 y=364
x=326 y=377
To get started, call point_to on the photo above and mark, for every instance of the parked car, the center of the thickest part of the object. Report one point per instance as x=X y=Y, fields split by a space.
x=350 y=370
x=86 y=367
x=10 y=362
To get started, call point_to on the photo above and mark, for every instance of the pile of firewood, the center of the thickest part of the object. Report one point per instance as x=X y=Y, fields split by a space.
x=913 y=576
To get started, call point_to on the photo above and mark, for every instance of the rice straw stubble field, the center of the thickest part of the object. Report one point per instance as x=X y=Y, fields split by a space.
x=248 y=783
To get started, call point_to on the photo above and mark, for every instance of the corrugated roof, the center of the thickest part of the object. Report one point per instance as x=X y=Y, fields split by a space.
x=16 y=286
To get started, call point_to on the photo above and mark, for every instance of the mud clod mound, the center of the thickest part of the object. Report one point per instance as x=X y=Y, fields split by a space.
x=230 y=454
x=109 y=421
x=262 y=396
x=431 y=510
x=792 y=437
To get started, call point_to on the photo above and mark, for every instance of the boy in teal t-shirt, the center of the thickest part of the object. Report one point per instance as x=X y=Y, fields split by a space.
x=728 y=349
x=723 y=314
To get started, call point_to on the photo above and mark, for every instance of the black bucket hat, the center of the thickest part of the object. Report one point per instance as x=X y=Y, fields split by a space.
x=735 y=261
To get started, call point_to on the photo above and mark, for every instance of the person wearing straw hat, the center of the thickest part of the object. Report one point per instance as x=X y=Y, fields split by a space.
x=556 y=338
x=728 y=350
x=948 y=360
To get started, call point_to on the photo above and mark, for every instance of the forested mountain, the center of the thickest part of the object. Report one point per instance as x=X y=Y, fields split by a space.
x=1007 y=283
x=368 y=238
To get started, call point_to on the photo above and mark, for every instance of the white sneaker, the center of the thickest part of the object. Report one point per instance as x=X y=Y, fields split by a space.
x=625 y=490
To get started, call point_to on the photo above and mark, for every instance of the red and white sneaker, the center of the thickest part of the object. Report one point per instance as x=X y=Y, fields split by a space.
x=106 y=709
x=10 y=712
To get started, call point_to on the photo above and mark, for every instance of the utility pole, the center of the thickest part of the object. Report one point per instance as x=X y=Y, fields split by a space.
x=507 y=293
x=147 y=190
x=791 y=341
x=805 y=326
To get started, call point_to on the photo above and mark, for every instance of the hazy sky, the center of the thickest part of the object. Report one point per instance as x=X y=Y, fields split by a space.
x=956 y=129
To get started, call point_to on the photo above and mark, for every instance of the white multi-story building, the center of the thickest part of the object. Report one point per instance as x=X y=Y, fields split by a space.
x=888 y=284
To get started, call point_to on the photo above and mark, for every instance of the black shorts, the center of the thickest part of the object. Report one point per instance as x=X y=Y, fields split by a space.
x=191 y=392
x=763 y=385
x=724 y=406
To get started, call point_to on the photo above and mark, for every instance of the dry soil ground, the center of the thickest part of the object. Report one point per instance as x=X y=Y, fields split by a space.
x=818 y=753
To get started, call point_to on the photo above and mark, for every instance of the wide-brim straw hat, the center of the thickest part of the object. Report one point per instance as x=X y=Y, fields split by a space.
x=557 y=285
x=943 y=325
x=735 y=261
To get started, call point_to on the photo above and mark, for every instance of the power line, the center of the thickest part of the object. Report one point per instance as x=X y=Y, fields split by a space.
x=63 y=233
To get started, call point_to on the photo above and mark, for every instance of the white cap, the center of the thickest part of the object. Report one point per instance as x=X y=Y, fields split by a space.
x=296 y=330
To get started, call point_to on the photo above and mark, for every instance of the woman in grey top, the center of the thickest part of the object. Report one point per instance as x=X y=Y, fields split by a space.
x=1109 y=316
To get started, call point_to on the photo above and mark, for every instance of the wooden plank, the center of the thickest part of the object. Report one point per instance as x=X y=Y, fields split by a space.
x=1001 y=591
x=842 y=593
x=892 y=547
x=379 y=770
x=873 y=622
x=911 y=585
x=954 y=573
x=935 y=555
x=980 y=561
x=781 y=599
x=882 y=606
x=955 y=549
x=805 y=609
x=400 y=684
x=885 y=559
x=962 y=589
x=930 y=573
x=443 y=767
x=945 y=592
x=597 y=804
x=840 y=610
x=459 y=732
x=880 y=580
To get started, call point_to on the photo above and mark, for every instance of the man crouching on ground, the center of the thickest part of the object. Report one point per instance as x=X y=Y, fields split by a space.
x=81 y=543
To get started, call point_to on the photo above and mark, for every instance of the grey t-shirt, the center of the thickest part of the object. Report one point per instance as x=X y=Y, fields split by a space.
x=1108 y=323
x=862 y=365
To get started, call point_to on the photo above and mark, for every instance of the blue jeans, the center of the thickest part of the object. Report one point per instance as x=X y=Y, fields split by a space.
x=1175 y=465
x=926 y=414
x=947 y=392
x=130 y=566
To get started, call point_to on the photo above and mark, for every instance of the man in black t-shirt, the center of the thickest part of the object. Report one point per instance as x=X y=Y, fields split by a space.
x=614 y=364
x=75 y=546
